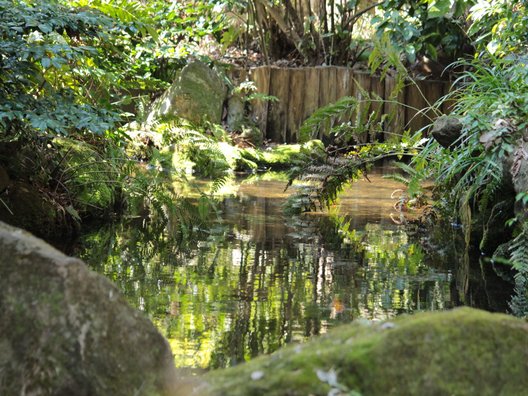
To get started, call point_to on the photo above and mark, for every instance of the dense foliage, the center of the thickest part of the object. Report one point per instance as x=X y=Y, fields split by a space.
x=77 y=66
x=435 y=29
x=71 y=74
x=47 y=53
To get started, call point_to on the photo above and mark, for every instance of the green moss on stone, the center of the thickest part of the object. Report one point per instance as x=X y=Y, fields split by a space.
x=197 y=94
x=65 y=330
x=460 y=352
x=280 y=157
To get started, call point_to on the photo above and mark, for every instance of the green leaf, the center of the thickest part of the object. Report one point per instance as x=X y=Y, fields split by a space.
x=73 y=213
x=410 y=51
x=431 y=49
x=438 y=8
x=45 y=28
x=493 y=46
x=45 y=62
x=57 y=62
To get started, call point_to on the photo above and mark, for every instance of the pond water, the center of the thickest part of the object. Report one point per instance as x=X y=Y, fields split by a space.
x=257 y=278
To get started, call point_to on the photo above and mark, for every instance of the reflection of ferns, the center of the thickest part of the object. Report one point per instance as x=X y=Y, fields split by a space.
x=303 y=200
x=218 y=183
x=150 y=195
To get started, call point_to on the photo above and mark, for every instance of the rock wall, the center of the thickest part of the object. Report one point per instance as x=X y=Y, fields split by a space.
x=65 y=330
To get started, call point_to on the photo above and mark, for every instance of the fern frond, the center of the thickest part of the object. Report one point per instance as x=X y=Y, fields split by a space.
x=312 y=126
x=408 y=169
x=218 y=183
x=397 y=178
x=519 y=257
x=491 y=188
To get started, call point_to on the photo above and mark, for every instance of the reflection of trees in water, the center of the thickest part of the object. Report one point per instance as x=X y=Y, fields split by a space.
x=277 y=300
x=260 y=280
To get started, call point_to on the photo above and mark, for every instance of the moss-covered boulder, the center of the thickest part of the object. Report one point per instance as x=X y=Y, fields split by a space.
x=197 y=94
x=65 y=330
x=460 y=352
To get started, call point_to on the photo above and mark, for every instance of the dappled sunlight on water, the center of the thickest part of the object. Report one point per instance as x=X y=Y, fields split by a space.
x=257 y=279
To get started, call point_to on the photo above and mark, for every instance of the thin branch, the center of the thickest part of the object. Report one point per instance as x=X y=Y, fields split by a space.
x=353 y=18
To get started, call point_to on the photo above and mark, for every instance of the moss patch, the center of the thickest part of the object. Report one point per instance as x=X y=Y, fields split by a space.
x=460 y=352
x=280 y=157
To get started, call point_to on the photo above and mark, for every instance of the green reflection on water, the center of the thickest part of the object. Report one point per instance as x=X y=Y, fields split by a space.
x=258 y=279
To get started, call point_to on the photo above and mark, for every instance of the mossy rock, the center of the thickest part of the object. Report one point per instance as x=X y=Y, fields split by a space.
x=65 y=330
x=459 y=352
x=278 y=157
x=89 y=177
x=197 y=94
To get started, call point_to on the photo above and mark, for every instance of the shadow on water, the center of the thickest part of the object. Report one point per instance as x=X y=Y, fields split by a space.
x=257 y=279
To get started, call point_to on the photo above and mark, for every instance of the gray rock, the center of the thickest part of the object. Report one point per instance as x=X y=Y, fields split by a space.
x=65 y=330
x=235 y=113
x=446 y=130
x=197 y=94
x=519 y=174
x=519 y=166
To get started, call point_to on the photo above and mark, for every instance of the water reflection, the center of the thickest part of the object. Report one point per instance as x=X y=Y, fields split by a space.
x=258 y=279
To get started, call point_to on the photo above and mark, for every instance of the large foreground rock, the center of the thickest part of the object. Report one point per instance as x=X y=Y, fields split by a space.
x=461 y=352
x=197 y=94
x=65 y=330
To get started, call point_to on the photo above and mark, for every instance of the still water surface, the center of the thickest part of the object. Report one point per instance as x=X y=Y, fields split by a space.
x=257 y=278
